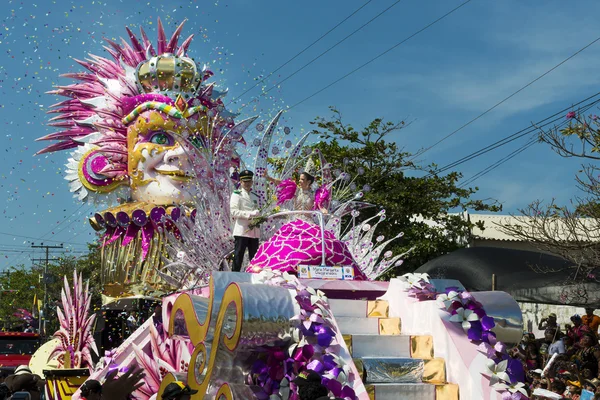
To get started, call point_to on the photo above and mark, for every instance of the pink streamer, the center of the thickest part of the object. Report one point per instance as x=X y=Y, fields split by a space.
x=130 y=234
x=116 y=234
x=322 y=198
x=147 y=233
x=286 y=190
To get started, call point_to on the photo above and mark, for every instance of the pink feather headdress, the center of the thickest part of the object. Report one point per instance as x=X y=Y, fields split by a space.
x=111 y=93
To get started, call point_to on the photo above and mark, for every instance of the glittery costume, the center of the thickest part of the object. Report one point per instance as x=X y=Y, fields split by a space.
x=304 y=200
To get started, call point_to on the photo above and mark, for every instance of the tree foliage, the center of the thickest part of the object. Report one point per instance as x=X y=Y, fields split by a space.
x=19 y=285
x=571 y=231
x=412 y=194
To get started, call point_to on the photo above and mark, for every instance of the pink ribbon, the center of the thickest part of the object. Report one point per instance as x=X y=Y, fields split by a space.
x=147 y=233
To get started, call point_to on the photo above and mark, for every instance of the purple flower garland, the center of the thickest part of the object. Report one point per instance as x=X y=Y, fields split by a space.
x=312 y=345
x=506 y=373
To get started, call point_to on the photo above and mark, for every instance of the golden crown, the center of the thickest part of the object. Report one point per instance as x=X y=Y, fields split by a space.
x=170 y=75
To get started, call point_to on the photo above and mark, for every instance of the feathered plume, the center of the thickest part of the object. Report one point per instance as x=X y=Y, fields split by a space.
x=75 y=332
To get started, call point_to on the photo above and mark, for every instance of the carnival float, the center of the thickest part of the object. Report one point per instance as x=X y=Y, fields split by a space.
x=154 y=147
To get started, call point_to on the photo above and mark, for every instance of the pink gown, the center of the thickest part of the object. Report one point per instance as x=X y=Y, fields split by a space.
x=299 y=243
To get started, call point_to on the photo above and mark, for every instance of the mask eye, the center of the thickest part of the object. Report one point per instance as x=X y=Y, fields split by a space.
x=162 y=138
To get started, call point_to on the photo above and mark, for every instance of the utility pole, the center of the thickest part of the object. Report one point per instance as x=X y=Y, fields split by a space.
x=45 y=305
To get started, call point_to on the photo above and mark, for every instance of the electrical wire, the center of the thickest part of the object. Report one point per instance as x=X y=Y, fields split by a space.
x=320 y=55
x=63 y=221
x=498 y=163
x=517 y=135
x=301 y=51
x=517 y=151
x=380 y=55
x=41 y=239
x=505 y=99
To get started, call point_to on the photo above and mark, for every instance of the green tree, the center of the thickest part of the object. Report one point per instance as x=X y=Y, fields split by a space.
x=19 y=285
x=409 y=192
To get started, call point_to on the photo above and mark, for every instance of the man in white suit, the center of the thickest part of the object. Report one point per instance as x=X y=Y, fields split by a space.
x=244 y=207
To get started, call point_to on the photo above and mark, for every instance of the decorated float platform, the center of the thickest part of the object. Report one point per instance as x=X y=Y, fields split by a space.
x=228 y=342
x=151 y=137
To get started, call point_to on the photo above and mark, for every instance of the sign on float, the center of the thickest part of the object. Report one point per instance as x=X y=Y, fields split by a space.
x=325 y=272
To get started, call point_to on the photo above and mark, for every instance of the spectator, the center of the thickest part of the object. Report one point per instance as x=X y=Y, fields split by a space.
x=592 y=321
x=178 y=391
x=548 y=322
x=558 y=386
x=554 y=339
x=528 y=353
x=591 y=384
x=576 y=332
x=91 y=390
x=132 y=322
x=23 y=380
x=588 y=355
x=122 y=387
x=310 y=386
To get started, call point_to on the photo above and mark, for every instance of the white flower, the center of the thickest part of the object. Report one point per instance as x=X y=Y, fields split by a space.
x=180 y=255
x=497 y=372
x=512 y=388
x=445 y=300
x=414 y=280
x=464 y=317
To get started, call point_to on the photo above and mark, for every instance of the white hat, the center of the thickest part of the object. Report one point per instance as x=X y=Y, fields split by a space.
x=22 y=369
x=537 y=371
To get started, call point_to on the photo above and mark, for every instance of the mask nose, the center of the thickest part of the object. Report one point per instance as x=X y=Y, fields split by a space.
x=175 y=155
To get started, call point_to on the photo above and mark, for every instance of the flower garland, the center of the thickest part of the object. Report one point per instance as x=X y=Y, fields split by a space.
x=312 y=345
x=505 y=372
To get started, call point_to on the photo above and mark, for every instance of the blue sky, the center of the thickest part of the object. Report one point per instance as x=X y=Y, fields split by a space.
x=440 y=79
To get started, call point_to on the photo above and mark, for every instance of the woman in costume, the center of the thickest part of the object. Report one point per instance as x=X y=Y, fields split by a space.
x=300 y=241
x=302 y=194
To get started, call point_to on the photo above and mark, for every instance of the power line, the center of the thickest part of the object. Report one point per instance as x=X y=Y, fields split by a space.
x=302 y=51
x=515 y=152
x=66 y=226
x=63 y=221
x=517 y=135
x=45 y=304
x=325 y=52
x=41 y=239
x=498 y=163
x=380 y=55
x=506 y=98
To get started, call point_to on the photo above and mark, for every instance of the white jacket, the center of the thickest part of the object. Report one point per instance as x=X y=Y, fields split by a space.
x=243 y=207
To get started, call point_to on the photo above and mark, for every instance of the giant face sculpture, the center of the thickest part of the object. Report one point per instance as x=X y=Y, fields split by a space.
x=158 y=164
x=143 y=128
x=129 y=121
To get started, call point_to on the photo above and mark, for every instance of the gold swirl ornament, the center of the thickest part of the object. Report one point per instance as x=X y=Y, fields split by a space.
x=227 y=332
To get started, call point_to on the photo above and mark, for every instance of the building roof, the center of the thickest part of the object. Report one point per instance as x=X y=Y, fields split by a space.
x=584 y=229
x=491 y=224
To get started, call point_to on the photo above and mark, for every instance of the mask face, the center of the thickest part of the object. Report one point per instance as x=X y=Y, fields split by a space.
x=159 y=167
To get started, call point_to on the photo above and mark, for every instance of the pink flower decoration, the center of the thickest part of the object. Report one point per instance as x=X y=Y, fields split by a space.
x=571 y=115
x=286 y=190
x=322 y=197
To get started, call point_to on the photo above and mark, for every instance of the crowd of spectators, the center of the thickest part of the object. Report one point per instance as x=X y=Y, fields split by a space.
x=565 y=363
